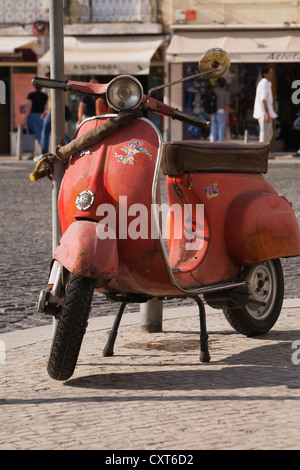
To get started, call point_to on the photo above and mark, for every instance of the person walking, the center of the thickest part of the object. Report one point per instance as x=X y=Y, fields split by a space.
x=220 y=118
x=263 y=105
x=46 y=128
x=46 y=124
x=89 y=106
x=36 y=102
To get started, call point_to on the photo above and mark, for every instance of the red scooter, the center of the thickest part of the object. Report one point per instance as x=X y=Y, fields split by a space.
x=225 y=232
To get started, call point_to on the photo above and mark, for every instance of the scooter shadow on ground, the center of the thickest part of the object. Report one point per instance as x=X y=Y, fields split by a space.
x=260 y=366
x=227 y=378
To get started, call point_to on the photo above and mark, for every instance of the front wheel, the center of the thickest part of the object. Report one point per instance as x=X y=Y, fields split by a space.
x=70 y=327
x=266 y=287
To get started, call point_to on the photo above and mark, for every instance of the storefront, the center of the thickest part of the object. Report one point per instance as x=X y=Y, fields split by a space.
x=104 y=57
x=248 y=51
x=22 y=58
x=18 y=65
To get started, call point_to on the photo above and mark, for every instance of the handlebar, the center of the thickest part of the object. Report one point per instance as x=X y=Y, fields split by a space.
x=81 y=87
x=166 y=110
x=99 y=89
x=50 y=83
x=188 y=118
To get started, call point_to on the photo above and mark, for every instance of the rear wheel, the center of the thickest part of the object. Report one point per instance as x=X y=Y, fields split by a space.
x=266 y=286
x=70 y=327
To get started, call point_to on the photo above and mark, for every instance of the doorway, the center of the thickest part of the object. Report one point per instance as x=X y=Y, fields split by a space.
x=4 y=112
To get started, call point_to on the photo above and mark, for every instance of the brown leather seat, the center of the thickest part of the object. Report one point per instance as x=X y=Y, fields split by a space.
x=226 y=157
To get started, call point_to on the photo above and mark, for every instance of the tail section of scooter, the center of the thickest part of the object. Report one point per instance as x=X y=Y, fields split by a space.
x=226 y=229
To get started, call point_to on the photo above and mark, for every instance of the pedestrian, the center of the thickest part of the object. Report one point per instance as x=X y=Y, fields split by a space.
x=46 y=125
x=220 y=118
x=36 y=102
x=296 y=125
x=46 y=129
x=263 y=105
x=89 y=106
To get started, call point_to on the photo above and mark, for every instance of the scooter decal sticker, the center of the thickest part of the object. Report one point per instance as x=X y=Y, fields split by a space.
x=212 y=190
x=130 y=150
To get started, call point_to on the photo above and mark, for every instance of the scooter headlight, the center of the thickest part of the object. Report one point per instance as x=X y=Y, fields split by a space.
x=124 y=92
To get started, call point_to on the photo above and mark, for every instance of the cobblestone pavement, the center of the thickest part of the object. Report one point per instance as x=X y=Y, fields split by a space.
x=154 y=394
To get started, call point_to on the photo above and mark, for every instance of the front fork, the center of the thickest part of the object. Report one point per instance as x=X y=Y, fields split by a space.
x=51 y=299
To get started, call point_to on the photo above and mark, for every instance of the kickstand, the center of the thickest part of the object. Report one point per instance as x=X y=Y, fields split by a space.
x=109 y=347
x=204 y=353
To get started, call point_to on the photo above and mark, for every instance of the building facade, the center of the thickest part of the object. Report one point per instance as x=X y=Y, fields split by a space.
x=157 y=40
x=253 y=33
x=102 y=38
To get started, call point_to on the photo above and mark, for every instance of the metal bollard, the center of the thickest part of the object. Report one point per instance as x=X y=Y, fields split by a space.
x=19 y=149
x=151 y=315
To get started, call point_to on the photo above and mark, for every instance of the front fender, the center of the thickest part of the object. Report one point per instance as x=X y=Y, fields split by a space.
x=82 y=252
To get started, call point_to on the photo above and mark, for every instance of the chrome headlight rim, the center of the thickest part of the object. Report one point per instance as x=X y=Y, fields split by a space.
x=118 y=93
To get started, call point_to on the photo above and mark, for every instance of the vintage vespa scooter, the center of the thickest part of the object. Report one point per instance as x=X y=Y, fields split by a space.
x=226 y=226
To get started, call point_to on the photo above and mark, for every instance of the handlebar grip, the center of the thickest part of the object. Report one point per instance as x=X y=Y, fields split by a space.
x=194 y=120
x=50 y=83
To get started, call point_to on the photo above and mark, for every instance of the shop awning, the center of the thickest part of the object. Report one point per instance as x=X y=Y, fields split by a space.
x=9 y=44
x=242 y=46
x=109 y=55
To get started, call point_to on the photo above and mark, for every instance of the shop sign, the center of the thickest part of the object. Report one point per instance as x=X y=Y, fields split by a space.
x=284 y=57
x=92 y=68
x=19 y=55
x=265 y=57
x=105 y=69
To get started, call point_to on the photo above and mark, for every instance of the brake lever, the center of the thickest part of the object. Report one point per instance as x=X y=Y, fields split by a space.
x=195 y=120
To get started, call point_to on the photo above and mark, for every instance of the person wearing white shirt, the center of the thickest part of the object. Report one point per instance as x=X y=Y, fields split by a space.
x=263 y=105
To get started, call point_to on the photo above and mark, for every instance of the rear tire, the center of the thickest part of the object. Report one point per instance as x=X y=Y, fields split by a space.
x=266 y=284
x=71 y=327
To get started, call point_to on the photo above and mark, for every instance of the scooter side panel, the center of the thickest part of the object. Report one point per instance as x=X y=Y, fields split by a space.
x=211 y=263
x=241 y=230
x=267 y=228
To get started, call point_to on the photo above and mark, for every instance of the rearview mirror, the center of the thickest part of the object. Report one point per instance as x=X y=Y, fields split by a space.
x=212 y=64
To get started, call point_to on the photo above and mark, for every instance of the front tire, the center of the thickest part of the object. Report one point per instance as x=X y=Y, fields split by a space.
x=71 y=327
x=266 y=285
